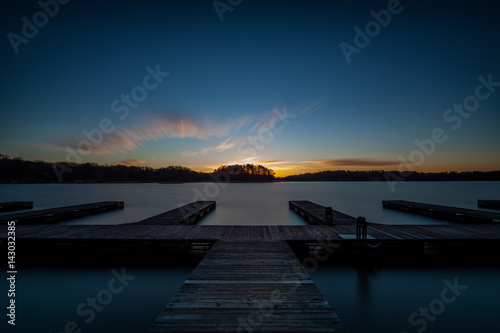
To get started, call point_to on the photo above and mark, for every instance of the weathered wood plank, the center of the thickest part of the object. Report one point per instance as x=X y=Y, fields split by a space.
x=455 y=214
x=55 y=215
x=493 y=204
x=313 y=213
x=12 y=206
x=289 y=233
x=186 y=214
x=250 y=286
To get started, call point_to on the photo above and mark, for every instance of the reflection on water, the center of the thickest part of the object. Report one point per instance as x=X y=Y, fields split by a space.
x=384 y=299
x=47 y=299
x=254 y=204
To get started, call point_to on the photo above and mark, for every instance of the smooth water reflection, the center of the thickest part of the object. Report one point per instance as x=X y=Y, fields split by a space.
x=384 y=299
x=47 y=299
x=254 y=203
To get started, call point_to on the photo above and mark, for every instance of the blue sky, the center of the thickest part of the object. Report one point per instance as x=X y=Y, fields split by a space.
x=229 y=81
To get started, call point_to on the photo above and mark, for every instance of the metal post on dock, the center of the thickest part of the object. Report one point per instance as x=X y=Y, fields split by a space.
x=361 y=227
x=329 y=215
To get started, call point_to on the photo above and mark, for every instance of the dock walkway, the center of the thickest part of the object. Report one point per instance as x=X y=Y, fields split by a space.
x=315 y=214
x=11 y=206
x=455 y=214
x=55 y=215
x=248 y=287
x=491 y=204
x=186 y=214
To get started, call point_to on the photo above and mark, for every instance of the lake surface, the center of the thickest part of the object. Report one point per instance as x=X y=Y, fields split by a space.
x=254 y=204
x=367 y=300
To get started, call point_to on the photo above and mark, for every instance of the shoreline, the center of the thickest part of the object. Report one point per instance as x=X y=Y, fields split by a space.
x=248 y=181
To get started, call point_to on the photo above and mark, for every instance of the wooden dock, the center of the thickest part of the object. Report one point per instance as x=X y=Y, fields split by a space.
x=248 y=287
x=55 y=215
x=455 y=214
x=492 y=204
x=129 y=232
x=186 y=214
x=12 y=206
x=250 y=280
x=315 y=214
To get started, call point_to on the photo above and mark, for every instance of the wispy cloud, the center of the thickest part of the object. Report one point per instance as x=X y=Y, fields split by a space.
x=353 y=162
x=188 y=153
x=132 y=162
x=267 y=120
x=227 y=144
x=309 y=108
x=130 y=138
x=153 y=127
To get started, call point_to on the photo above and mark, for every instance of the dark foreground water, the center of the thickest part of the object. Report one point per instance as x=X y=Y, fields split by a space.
x=59 y=298
x=366 y=300
x=413 y=299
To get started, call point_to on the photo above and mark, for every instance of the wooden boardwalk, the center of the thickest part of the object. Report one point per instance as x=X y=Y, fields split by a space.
x=15 y=205
x=133 y=233
x=187 y=214
x=248 y=287
x=315 y=214
x=459 y=215
x=250 y=280
x=492 y=204
x=55 y=215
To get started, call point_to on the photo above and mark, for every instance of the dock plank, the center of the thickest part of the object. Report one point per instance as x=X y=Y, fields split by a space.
x=12 y=206
x=313 y=213
x=185 y=214
x=492 y=204
x=455 y=214
x=56 y=215
x=256 y=286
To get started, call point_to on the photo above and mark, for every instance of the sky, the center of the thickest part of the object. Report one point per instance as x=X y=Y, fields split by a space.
x=298 y=86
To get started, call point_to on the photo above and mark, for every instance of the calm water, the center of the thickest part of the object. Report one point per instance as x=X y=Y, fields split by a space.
x=248 y=204
x=366 y=300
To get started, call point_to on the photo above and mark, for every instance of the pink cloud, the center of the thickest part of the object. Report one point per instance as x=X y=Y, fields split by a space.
x=154 y=128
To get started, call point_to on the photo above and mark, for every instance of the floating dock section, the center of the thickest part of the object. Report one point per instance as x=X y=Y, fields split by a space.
x=187 y=214
x=315 y=214
x=250 y=280
x=12 y=206
x=492 y=204
x=455 y=214
x=55 y=215
x=248 y=287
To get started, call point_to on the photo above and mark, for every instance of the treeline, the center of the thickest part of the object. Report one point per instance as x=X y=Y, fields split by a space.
x=17 y=170
x=380 y=175
x=245 y=172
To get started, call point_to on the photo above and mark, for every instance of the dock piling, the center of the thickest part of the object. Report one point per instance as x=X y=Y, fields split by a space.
x=361 y=226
